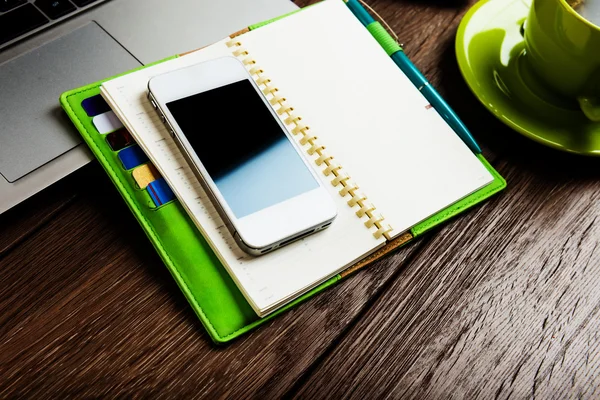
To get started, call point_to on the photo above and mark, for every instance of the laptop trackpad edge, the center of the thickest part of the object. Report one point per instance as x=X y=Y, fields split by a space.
x=34 y=129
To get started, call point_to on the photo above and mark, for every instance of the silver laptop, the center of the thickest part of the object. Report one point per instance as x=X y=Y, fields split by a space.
x=50 y=46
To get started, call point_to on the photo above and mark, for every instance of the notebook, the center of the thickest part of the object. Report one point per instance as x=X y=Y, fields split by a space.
x=373 y=124
x=392 y=165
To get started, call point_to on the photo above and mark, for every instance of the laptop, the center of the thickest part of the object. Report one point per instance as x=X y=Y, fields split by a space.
x=50 y=46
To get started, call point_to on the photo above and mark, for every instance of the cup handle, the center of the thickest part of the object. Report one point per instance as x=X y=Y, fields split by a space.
x=590 y=107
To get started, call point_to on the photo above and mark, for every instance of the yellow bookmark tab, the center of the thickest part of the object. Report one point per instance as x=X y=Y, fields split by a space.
x=144 y=174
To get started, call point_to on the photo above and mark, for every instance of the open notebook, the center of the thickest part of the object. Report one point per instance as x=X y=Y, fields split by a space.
x=388 y=159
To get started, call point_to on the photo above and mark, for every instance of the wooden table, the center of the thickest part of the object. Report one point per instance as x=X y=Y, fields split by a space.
x=504 y=301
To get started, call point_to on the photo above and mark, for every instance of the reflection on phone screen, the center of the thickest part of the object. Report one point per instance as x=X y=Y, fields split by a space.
x=242 y=147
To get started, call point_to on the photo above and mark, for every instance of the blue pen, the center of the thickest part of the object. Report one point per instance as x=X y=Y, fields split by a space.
x=419 y=80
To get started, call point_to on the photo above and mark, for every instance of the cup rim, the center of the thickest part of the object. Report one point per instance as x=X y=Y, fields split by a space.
x=578 y=16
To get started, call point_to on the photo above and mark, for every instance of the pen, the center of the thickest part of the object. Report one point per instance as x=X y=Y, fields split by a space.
x=416 y=77
x=434 y=98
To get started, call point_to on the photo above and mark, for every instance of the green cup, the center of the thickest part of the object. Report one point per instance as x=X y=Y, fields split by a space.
x=563 y=49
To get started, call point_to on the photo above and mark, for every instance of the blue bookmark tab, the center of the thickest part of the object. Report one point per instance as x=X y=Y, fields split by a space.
x=95 y=105
x=132 y=156
x=160 y=192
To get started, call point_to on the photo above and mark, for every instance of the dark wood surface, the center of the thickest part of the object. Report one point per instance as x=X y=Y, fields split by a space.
x=501 y=302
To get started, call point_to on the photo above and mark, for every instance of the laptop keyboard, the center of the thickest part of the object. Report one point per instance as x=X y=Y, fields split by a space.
x=20 y=18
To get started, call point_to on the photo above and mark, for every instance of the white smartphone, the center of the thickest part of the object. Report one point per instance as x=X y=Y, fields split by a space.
x=242 y=154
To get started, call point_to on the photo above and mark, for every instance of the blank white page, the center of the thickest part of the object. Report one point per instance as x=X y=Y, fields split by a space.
x=367 y=113
x=268 y=281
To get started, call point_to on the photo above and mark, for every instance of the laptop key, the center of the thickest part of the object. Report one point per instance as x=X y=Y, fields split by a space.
x=6 y=5
x=55 y=8
x=19 y=21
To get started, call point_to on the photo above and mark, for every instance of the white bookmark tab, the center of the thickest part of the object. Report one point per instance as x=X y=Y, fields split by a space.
x=107 y=122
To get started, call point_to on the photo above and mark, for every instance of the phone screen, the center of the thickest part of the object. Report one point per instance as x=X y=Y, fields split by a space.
x=242 y=146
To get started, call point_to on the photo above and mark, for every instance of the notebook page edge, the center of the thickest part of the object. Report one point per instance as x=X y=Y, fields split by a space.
x=334 y=13
x=108 y=90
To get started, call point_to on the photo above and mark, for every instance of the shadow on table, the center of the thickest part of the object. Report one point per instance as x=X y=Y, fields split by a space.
x=97 y=190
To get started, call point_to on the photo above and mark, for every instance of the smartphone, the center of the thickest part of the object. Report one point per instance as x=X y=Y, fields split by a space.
x=242 y=154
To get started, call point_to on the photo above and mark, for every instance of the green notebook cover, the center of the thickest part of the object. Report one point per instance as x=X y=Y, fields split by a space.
x=211 y=292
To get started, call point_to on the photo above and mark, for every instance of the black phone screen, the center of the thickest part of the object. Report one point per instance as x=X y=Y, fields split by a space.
x=242 y=146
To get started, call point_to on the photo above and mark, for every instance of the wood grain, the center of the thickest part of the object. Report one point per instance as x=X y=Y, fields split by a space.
x=25 y=218
x=501 y=302
x=89 y=310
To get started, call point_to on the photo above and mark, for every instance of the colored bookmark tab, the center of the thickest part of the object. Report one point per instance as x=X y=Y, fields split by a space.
x=132 y=156
x=120 y=139
x=107 y=122
x=95 y=105
x=160 y=192
x=144 y=174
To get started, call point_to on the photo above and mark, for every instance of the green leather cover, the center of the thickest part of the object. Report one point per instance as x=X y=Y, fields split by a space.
x=205 y=283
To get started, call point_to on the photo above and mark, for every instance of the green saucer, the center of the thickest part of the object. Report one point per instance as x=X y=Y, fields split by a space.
x=491 y=56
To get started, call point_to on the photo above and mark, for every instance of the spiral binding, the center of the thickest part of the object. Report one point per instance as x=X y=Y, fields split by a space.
x=311 y=145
